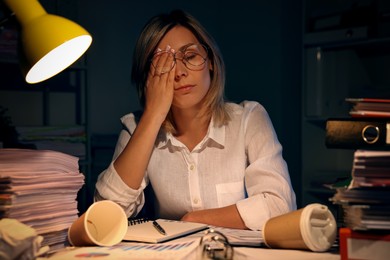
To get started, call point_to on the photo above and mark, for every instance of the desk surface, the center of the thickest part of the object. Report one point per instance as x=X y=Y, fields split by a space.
x=190 y=251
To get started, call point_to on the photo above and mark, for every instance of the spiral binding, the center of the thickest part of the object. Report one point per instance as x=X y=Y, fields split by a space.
x=136 y=221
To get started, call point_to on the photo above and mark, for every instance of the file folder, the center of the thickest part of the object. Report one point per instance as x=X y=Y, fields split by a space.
x=349 y=133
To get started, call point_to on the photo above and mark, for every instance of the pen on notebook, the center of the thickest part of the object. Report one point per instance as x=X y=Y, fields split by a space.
x=159 y=228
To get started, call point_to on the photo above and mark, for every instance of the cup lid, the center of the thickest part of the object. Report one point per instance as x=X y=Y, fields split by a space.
x=318 y=227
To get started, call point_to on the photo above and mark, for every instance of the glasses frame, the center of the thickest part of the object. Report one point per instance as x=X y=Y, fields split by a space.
x=182 y=59
x=215 y=245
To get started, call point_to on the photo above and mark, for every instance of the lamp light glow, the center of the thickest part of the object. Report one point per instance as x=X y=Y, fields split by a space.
x=50 y=43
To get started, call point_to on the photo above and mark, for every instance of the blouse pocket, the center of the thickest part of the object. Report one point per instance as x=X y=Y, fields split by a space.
x=230 y=193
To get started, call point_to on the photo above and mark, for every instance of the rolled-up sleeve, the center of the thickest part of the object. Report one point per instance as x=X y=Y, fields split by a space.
x=267 y=180
x=110 y=186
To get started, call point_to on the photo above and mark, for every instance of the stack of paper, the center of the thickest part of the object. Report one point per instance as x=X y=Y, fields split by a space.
x=39 y=188
x=242 y=237
x=366 y=202
x=66 y=139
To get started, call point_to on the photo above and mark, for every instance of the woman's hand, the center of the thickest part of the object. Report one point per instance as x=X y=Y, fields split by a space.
x=159 y=85
x=131 y=164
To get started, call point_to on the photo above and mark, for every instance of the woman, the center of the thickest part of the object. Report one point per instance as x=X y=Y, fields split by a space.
x=207 y=160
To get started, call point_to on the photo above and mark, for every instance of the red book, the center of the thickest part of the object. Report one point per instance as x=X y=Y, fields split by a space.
x=369 y=107
x=356 y=245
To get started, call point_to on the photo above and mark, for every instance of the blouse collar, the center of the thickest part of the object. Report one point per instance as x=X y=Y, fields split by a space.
x=214 y=135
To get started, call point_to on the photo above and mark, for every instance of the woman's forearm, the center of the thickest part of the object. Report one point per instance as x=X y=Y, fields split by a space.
x=223 y=217
x=131 y=164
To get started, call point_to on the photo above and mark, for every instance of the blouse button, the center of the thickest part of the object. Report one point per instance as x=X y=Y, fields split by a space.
x=192 y=167
x=196 y=201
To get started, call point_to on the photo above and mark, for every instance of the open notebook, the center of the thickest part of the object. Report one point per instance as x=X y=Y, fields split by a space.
x=146 y=232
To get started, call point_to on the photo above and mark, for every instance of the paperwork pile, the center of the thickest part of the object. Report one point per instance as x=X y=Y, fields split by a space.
x=366 y=200
x=39 y=188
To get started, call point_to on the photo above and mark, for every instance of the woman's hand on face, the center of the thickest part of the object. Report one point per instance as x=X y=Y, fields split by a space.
x=159 y=86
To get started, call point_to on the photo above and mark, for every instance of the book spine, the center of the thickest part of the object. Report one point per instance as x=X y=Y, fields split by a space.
x=357 y=134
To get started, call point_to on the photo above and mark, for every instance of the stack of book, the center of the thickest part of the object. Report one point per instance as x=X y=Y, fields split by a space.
x=365 y=201
x=369 y=107
x=366 y=206
x=66 y=139
x=39 y=188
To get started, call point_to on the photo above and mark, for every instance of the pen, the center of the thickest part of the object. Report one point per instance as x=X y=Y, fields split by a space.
x=159 y=228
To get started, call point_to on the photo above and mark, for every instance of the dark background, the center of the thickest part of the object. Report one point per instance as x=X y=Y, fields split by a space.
x=261 y=42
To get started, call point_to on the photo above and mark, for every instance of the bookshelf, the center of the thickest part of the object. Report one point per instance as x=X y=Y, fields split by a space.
x=342 y=57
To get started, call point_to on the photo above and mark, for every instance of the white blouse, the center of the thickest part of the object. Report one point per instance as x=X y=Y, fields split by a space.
x=240 y=163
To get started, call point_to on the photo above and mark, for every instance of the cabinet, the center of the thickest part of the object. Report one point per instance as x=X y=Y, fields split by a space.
x=346 y=53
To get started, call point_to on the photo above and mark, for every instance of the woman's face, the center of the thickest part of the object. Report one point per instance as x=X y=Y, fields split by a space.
x=190 y=86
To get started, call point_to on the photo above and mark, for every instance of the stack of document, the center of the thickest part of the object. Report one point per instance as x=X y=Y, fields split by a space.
x=241 y=237
x=39 y=188
x=66 y=139
x=366 y=200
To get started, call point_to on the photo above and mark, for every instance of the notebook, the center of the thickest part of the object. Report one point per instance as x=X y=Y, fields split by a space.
x=144 y=231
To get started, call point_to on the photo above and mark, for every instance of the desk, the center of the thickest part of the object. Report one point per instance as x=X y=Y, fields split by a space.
x=240 y=253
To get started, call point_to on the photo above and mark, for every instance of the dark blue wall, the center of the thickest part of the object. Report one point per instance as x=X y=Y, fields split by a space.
x=260 y=41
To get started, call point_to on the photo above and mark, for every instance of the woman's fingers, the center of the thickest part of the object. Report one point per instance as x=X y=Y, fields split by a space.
x=159 y=92
x=163 y=61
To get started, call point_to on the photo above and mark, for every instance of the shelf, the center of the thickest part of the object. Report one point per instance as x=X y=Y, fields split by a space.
x=339 y=62
x=373 y=44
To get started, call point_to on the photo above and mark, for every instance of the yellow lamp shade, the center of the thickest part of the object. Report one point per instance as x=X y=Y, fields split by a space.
x=50 y=43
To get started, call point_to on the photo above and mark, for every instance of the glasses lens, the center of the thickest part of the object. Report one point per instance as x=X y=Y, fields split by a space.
x=161 y=67
x=194 y=56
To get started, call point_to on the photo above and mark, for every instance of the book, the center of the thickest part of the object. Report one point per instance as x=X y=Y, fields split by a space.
x=367 y=217
x=369 y=107
x=352 y=133
x=363 y=245
x=144 y=231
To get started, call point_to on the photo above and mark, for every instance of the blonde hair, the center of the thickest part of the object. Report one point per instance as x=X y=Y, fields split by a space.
x=152 y=33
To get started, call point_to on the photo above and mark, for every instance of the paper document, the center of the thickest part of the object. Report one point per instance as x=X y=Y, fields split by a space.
x=242 y=237
x=132 y=250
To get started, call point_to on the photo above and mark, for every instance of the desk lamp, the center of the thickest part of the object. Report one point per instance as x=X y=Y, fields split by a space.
x=50 y=43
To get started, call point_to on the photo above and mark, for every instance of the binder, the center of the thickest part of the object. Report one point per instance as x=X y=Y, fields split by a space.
x=351 y=133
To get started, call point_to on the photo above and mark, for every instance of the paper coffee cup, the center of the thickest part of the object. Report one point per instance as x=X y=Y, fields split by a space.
x=103 y=224
x=312 y=227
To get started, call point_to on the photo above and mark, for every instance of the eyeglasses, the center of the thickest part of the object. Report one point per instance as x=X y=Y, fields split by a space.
x=193 y=57
x=215 y=245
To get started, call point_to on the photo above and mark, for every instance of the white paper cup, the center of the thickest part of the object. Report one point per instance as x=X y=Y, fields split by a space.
x=103 y=224
x=312 y=227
